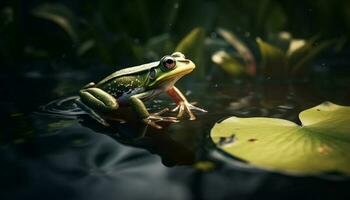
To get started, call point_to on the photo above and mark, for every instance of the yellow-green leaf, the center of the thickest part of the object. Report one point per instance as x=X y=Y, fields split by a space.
x=274 y=60
x=308 y=54
x=228 y=63
x=192 y=45
x=321 y=144
x=298 y=49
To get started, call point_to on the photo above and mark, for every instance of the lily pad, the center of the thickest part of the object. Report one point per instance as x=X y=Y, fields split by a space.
x=320 y=145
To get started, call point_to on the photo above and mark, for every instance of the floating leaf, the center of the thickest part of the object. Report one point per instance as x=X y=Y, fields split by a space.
x=321 y=144
x=274 y=62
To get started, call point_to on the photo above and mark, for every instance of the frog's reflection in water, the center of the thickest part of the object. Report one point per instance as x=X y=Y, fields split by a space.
x=134 y=133
x=125 y=128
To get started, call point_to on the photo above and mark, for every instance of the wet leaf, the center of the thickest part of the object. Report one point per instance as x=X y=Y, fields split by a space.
x=308 y=54
x=274 y=61
x=297 y=50
x=228 y=63
x=192 y=45
x=59 y=15
x=321 y=144
x=295 y=46
x=192 y=42
x=281 y=39
x=242 y=49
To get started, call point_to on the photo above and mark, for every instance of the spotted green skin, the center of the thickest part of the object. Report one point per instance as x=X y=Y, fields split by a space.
x=132 y=86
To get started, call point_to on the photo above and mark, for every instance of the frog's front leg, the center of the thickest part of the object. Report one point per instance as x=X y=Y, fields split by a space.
x=150 y=119
x=182 y=103
x=95 y=99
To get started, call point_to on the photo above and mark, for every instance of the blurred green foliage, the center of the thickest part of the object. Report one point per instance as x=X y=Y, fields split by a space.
x=292 y=60
x=125 y=33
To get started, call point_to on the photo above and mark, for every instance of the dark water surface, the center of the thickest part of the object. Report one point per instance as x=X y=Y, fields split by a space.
x=55 y=151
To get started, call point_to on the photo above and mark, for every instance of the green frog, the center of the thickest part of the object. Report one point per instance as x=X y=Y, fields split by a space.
x=132 y=86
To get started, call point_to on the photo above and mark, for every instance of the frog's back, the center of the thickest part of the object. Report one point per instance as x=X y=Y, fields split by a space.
x=129 y=71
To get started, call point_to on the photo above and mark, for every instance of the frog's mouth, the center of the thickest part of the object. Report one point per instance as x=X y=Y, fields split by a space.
x=171 y=77
x=171 y=80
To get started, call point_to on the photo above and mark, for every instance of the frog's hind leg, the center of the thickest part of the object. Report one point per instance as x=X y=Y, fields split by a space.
x=91 y=112
x=92 y=99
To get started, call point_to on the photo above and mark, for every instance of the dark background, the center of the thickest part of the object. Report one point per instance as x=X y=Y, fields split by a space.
x=50 y=49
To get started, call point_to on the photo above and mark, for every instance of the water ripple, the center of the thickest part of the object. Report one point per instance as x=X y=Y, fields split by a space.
x=63 y=107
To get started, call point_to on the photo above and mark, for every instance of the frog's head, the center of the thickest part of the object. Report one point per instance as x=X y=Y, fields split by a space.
x=169 y=70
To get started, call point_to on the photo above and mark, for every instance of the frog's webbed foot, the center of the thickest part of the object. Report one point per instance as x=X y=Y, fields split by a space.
x=161 y=112
x=155 y=117
x=184 y=106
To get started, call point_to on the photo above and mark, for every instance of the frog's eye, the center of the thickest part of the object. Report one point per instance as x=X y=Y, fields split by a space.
x=168 y=62
x=152 y=73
